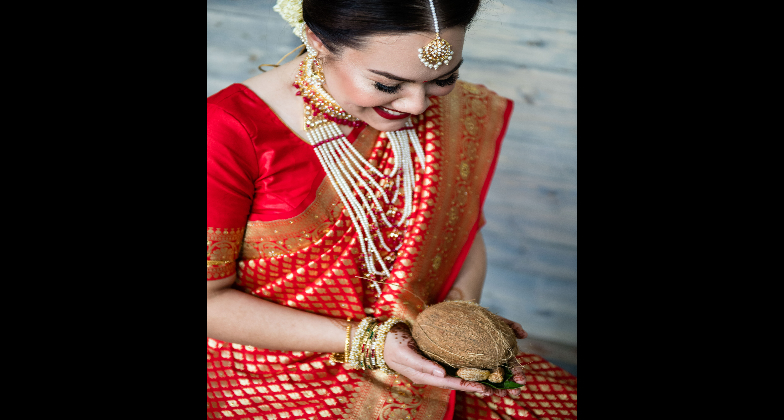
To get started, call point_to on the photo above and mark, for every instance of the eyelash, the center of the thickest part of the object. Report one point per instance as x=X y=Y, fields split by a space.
x=442 y=83
x=448 y=82
x=387 y=89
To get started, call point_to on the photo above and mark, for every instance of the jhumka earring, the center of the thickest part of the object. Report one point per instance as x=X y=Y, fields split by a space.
x=437 y=53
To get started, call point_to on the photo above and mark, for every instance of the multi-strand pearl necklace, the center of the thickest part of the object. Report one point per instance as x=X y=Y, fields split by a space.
x=357 y=182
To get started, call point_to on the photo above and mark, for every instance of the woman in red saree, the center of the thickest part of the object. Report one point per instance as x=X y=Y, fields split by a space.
x=283 y=255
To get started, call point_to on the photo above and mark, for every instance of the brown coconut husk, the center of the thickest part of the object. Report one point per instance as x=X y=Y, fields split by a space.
x=465 y=335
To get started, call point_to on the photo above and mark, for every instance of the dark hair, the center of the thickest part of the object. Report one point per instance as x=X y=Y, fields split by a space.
x=346 y=23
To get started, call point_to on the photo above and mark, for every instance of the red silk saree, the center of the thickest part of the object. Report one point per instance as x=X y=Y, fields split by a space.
x=275 y=220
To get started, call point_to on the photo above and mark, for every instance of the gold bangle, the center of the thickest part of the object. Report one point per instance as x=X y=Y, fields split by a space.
x=371 y=358
x=348 y=337
x=338 y=358
x=354 y=359
x=381 y=341
x=365 y=347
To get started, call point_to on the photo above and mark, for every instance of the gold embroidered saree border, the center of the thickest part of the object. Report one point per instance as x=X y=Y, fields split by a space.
x=223 y=249
x=462 y=134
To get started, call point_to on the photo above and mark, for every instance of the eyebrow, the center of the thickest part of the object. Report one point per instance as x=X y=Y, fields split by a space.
x=400 y=79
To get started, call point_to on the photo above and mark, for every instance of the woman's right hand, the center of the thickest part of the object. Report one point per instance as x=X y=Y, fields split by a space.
x=404 y=357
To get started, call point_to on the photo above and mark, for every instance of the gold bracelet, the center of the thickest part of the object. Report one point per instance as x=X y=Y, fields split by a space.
x=381 y=341
x=338 y=358
x=348 y=338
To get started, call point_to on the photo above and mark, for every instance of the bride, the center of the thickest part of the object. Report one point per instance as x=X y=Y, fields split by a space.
x=342 y=188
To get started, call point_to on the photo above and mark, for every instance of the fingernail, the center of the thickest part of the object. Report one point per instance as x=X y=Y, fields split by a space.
x=440 y=373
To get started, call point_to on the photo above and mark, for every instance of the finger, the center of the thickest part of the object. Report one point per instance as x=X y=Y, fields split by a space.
x=519 y=331
x=455 y=384
x=451 y=383
x=519 y=375
x=516 y=328
x=429 y=367
x=410 y=356
x=489 y=392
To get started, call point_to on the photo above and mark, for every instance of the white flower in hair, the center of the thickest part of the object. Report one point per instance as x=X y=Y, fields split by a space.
x=291 y=11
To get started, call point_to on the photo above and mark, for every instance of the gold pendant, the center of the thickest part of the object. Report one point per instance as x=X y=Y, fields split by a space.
x=437 y=53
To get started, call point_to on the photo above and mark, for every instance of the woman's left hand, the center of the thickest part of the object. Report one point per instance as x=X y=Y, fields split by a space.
x=518 y=371
x=517 y=328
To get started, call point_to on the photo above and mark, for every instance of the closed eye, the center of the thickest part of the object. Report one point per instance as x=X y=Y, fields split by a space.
x=448 y=82
x=451 y=80
x=388 y=89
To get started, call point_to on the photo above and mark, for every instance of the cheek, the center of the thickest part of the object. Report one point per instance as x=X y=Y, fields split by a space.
x=440 y=91
x=370 y=97
x=356 y=93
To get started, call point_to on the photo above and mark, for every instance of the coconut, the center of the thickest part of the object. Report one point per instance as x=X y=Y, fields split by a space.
x=465 y=335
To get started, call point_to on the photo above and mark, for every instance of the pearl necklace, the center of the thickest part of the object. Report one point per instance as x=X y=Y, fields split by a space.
x=357 y=182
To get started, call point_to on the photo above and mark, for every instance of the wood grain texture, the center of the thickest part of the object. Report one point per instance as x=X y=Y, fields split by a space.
x=525 y=50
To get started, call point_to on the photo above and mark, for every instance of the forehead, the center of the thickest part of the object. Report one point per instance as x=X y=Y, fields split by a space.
x=399 y=53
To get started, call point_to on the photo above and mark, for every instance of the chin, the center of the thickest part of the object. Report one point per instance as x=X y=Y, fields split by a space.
x=388 y=126
x=383 y=124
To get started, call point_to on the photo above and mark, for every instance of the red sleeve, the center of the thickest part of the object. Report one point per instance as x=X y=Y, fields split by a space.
x=231 y=170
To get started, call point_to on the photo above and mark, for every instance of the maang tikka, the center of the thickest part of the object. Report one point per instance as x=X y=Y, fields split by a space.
x=437 y=53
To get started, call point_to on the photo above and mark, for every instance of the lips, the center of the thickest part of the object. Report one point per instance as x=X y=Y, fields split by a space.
x=390 y=114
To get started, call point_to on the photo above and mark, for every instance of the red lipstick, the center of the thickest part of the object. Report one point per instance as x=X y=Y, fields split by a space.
x=385 y=113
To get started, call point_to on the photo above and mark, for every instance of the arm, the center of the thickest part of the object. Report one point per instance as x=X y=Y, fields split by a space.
x=471 y=280
x=236 y=317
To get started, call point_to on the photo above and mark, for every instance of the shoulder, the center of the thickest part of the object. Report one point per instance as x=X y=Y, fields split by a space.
x=232 y=129
x=471 y=91
x=232 y=107
x=473 y=100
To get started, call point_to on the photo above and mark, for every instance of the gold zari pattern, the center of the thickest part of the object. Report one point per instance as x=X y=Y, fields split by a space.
x=311 y=263
x=223 y=249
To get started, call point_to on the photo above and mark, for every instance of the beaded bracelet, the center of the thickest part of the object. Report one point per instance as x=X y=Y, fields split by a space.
x=369 y=349
x=380 y=344
x=355 y=359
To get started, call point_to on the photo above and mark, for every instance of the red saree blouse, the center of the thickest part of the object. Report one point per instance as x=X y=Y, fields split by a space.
x=274 y=219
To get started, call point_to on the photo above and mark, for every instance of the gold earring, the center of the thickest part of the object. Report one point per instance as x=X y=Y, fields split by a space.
x=314 y=70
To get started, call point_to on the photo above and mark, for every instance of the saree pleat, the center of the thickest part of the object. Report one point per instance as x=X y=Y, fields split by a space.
x=312 y=262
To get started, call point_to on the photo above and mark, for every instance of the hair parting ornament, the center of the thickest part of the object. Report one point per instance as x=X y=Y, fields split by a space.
x=439 y=52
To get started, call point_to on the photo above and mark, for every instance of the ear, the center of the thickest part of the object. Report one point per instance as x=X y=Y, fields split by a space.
x=316 y=44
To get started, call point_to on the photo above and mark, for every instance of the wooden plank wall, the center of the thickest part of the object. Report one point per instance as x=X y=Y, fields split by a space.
x=525 y=50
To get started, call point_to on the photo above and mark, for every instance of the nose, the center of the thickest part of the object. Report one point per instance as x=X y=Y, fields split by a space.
x=415 y=103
